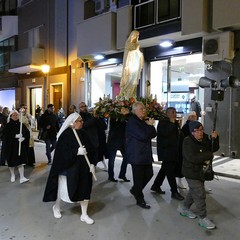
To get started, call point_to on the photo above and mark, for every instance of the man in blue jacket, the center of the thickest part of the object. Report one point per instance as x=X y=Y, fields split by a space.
x=139 y=133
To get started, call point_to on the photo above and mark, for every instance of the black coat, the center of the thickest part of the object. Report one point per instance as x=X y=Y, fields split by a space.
x=168 y=141
x=67 y=162
x=195 y=153
x=11 y=144
x=95 y=128
x=139 y=141
x=52 y=120
x=116 y=135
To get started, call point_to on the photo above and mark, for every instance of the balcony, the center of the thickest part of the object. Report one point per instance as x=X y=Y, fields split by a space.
x=105 y=33
x=27 y=60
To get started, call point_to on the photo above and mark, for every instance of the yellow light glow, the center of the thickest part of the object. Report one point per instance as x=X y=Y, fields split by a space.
x=45 y=68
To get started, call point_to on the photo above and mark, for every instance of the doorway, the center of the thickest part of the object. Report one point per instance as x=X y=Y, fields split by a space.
x=35 y=99
x=57 y=97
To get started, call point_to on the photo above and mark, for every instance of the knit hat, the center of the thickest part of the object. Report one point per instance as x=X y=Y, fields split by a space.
x=194 y=125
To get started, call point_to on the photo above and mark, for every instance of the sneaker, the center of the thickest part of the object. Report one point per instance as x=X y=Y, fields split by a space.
x=206 y=223
x=86 y=219
x=23 y=180
x=56 y=212
x=13 y=178
x=186 y=213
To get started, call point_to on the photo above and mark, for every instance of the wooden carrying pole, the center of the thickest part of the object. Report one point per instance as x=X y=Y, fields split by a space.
x=85 y=155
x=19 y=146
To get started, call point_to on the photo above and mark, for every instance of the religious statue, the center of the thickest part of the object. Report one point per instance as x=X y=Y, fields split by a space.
x=132 y=66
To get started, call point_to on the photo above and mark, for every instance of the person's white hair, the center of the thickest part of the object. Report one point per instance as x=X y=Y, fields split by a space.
x=69 y=121
x=10 y=114
x=192 y=113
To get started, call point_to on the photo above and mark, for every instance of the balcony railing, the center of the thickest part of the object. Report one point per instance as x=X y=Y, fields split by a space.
x=154 y=12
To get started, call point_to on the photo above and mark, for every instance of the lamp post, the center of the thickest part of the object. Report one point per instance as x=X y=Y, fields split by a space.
x=45 y=69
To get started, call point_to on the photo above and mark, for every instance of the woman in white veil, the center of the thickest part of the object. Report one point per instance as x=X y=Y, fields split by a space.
x=70 y=179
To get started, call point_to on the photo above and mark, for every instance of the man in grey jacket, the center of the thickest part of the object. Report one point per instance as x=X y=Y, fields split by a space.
x=197 y=149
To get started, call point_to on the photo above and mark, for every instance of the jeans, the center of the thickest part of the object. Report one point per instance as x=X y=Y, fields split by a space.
x=50 y=146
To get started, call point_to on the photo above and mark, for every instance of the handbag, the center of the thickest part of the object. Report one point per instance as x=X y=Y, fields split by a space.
x=208 y=173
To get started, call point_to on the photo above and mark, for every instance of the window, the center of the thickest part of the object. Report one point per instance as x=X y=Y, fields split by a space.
x=168 y=10
x=144 y=14
x=6 y=47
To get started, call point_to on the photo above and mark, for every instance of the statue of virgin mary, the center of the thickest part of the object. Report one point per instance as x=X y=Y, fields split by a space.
x=133 y=61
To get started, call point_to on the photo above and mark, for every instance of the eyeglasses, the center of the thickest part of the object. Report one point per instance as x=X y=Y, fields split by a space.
x=82 y=106
x=198 y=130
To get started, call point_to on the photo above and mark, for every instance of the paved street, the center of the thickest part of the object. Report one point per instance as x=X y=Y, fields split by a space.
x=24 y=215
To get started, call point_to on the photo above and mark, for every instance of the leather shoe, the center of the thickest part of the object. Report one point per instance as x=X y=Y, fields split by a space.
x=112 y=180
x=143 y=204
x=131 y=191
x=177 y=196
x=157 y=190
x=124 y=179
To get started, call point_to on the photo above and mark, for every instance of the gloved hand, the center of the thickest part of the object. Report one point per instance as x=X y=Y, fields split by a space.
x=21 y=139
x=92 y=168
x=82 y=151
x=18 y=135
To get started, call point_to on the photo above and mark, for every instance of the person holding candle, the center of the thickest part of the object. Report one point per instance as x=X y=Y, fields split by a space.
x=16 y=138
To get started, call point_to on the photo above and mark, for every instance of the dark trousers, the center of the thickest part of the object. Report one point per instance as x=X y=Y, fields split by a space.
x=111 y=160
x=167 y=170
x=197 y=195
x=50 y=146
x=142 y=174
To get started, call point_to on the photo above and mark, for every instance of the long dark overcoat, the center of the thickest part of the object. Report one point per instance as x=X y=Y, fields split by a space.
x=11 y=143
x=67 y=162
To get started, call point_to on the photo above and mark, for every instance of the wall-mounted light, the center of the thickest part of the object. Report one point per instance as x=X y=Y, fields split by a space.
x=99 y=57
x=166 y=43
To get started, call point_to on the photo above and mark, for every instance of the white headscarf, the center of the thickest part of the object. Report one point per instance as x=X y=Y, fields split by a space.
x=69 y=121
x=10 y=114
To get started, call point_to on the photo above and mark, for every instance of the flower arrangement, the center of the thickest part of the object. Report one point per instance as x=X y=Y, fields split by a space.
x=120 y=108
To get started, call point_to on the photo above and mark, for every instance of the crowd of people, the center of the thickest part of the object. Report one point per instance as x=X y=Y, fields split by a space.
x=83 y=140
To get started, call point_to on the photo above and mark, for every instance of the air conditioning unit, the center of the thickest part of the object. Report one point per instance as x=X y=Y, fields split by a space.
x=100 y=6
x=218 y=47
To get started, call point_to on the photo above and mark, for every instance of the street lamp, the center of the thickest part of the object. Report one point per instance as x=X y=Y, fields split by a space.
x=45 y=69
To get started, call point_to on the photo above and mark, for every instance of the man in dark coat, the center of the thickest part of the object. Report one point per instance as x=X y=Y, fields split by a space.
x=115 y=142
x=139 y=133
x=50 y=126
x=168 y=140
x=70 y=178
x=197 y=149
x=95 y=128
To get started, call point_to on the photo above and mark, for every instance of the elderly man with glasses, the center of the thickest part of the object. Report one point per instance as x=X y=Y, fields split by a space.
x=197 y=149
